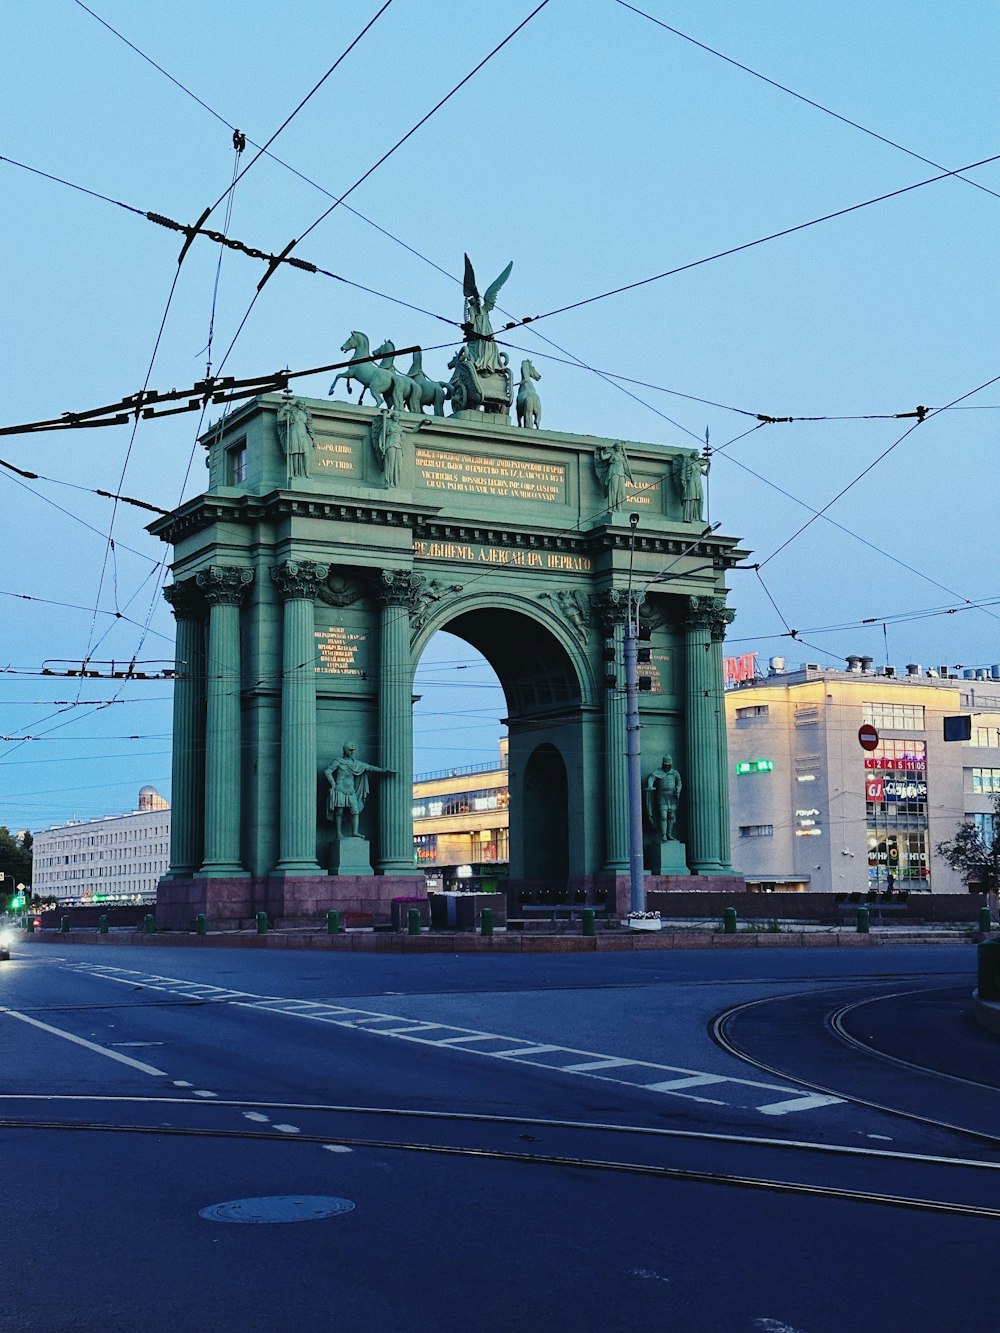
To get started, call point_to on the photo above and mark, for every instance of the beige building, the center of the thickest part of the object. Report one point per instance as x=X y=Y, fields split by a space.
x=115 y=860
x=460 y=816
x=812 y=809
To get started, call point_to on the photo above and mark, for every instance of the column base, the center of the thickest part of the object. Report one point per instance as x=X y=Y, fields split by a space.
x=400 y=867
x=285 y=869
x=221 y=870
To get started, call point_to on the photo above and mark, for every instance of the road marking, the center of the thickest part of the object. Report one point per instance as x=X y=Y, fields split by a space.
x=288 y=1129
x=181 y=1083
x=643 y=1075
x=256 y=1115
x=137 y=1043
x=200 y=1092
x=87 y=1045
x=806 y=1103
x=336 y=1147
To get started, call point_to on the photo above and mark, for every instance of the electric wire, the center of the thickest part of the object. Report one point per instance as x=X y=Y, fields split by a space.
x=748 y=245
x=891 y=143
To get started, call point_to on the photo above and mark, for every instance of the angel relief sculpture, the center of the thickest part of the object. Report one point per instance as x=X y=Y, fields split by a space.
x=481 y=377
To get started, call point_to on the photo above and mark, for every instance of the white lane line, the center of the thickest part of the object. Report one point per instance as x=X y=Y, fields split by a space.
x=585 y=1066
x=288 y=1129
x=256 y=1115
x=798 y=1104
x=695 y=1081
x=475 y=1036
x=87 y=1045
x=588 y=1064
x=200 y=1092
x=181 y=1083
x=336 y=1147
x=529 y=1050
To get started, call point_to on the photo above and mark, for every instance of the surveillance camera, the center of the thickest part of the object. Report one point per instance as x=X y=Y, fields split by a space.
x=633 y=520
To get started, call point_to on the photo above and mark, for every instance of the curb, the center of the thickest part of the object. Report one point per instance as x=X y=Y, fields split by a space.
x=365 y=941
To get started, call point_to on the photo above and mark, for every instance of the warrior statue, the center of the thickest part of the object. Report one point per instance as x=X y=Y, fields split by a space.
x=348 y=779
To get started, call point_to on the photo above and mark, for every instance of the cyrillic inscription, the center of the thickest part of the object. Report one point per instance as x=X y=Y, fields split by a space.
x=505 y=478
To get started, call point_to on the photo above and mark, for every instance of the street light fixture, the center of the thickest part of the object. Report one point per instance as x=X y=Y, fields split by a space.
x=637 y=887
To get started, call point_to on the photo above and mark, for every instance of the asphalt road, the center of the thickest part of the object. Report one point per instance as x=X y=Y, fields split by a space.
x=709 y=1140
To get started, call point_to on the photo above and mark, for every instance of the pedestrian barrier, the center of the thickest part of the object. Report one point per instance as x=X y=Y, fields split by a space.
x=729 y=921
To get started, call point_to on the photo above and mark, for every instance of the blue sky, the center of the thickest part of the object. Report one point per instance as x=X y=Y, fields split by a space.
x=596 y=149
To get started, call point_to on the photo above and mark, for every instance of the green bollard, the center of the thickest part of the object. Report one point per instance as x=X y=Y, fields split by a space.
x=261 y=923
x=729 y=921
x=862 y=920
x=413 y=921
x=64 y=924
x=588 y=918
x=487 y=921
x=201 y=923
x=334 y=924
x=149 y=924
x=985 y=925
x=102 y=923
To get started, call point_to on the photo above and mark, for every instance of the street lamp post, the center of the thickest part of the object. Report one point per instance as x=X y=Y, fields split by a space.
x=637 y=887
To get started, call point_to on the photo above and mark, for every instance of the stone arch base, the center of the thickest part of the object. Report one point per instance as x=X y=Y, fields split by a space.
x=233 y=904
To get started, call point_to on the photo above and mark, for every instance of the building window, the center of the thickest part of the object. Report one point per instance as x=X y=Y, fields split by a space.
x=986 y=736
x=985 y=825
x=754 y=710
x=984 y=781
x=756 y=830
x=236 y=464
x=894 y=717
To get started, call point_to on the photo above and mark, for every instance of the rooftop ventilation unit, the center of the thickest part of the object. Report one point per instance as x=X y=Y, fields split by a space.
x=889 y=671
x=968 y=674
x=854 y=663
x=776 y=666
x=812 y=666
x=995 y=671
x=866 y=663
x=913 y=668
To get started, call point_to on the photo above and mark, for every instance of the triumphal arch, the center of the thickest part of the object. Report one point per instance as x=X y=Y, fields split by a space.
x=333 y=540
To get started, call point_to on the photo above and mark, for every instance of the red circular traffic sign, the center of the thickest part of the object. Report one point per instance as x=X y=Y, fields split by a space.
x=867 y=737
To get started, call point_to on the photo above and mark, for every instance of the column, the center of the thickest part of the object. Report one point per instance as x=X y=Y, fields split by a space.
x=223 y=587
x=397 y=595
x=706 y=778
x=297 y=582
x=187 y=788
x=720 y=625
x=612 y=611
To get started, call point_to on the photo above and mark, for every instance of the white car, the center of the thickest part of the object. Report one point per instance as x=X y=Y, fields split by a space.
x=6 y=940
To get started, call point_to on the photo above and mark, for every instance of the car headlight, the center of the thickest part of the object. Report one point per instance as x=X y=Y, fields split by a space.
x=6 y=938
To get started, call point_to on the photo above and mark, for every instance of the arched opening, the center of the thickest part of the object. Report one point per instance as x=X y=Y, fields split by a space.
x=546 y=816
x=496 y=677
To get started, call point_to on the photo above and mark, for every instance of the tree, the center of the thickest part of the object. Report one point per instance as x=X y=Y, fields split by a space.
x=976 y=853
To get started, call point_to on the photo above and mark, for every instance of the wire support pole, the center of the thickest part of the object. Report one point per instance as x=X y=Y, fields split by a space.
x=637 y=886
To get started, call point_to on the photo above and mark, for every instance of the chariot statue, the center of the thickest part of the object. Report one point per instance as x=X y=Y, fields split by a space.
x=481 y=378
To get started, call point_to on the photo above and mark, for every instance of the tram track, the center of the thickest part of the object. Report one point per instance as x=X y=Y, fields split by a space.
x=529 y=1159
x=833 y=1023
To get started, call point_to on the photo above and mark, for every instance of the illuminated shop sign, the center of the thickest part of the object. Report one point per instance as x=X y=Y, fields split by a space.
x=738 y=669
x=754 y=766
x=910 y=763
x=896 y=790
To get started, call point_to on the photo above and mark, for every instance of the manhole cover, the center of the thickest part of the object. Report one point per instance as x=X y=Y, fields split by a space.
x=280 y=1208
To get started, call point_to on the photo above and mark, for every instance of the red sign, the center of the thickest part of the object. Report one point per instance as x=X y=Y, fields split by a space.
x=867 y=737
x=874 y=789
x=738 y=669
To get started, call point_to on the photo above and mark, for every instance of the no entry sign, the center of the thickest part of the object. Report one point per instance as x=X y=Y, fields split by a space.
x=868 y=737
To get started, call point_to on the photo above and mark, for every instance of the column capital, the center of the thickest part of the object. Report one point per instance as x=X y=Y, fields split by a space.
x=709 y=613
x=399 y=587
x=301 y=579
x=185 y=598
x=610 y=605
x=224 y=585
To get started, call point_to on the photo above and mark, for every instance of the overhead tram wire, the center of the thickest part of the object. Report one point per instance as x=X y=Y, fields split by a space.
x=748 y=245
x=875 y=462
x=440 y=268
x=818 y=106
x=272 y=267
